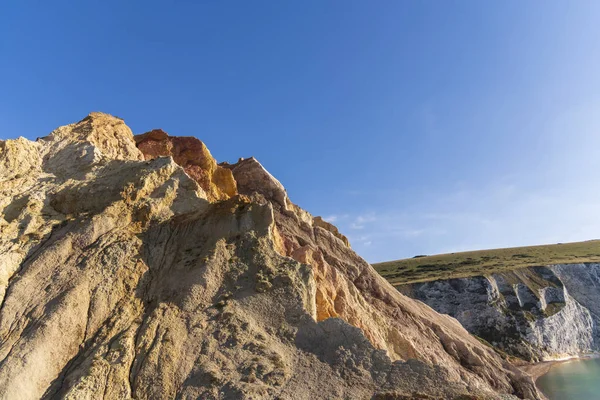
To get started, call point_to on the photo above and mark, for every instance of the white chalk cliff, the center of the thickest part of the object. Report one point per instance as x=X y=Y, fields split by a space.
x=536 y=313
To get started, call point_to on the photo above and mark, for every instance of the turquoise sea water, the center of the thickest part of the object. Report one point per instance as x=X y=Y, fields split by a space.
x=578 y=379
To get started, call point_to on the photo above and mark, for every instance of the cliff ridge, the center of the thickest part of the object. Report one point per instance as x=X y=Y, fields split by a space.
x=138 y=267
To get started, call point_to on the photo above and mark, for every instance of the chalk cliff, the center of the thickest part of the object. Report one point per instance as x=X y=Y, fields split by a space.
x=137 y=267
x=535 y=313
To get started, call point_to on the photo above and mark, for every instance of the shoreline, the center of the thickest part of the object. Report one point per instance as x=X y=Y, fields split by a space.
x=538 y=369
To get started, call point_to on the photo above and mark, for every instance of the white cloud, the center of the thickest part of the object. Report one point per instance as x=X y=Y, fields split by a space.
x=331 y=218
x=548 y=195
x=497 y=215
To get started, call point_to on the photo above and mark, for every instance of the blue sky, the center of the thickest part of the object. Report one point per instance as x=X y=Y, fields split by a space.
x=417 y=127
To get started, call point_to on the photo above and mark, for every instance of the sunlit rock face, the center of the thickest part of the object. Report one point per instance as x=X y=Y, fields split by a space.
x=534 y=313
x=140 y=268
x=191 y=154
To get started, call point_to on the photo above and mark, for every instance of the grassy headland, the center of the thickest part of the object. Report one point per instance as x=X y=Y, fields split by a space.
x=482 y=262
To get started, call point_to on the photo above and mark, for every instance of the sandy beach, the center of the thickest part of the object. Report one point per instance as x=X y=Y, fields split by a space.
x=540 y=368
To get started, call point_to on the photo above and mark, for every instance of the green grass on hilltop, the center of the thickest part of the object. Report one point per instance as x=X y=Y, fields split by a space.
x=483 y=262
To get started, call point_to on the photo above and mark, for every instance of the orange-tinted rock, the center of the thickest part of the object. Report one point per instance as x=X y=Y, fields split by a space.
x=348 y=288
x=252 y=177
x=320 y=222
x=194 y=157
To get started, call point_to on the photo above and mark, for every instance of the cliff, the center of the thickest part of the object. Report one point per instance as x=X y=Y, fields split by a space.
x=535 y=313
x=138 y=267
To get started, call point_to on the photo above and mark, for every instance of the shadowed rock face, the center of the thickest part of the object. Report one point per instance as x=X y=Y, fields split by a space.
x=140 y=272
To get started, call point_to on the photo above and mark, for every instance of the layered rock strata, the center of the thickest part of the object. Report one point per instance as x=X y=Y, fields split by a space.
x=191 y=154
x=151 y=272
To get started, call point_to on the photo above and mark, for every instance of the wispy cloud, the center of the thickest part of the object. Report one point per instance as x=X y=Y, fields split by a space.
x=333 y=218
x=497 y=215
x=361 y=221
x=544 y=193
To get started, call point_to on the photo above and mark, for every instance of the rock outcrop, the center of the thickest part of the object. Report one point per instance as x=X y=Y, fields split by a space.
x=536 y=313
x=150 y=272
x=194 y=157
x=321 y=223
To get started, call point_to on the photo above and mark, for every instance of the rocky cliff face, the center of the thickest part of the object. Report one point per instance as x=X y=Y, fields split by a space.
x=136 y=267
x=534 y=313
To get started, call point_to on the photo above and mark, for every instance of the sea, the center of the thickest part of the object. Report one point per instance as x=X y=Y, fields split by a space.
x=577 y=379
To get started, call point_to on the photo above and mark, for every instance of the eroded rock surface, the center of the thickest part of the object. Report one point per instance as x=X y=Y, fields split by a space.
x=194 y=157
x=536 y=313
x=140 y=272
